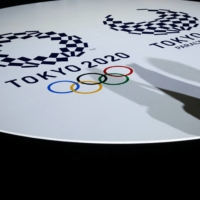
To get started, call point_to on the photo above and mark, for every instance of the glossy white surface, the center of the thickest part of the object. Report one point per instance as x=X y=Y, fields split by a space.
x=160 y=102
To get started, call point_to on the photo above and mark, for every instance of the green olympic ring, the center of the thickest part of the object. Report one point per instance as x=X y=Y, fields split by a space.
x=127 y=79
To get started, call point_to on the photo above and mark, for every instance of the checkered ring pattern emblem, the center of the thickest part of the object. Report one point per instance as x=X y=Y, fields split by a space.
x=168 y=22
x=72 y=46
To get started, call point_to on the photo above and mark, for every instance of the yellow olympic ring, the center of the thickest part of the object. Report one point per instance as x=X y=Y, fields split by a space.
x=72 y=88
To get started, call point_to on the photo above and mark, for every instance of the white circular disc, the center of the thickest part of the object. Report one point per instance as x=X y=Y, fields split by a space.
x=104 y=71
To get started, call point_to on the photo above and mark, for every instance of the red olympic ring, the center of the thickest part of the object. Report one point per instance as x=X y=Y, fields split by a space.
x=105 y=71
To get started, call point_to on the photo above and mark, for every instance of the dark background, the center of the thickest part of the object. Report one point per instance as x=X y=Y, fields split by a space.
x=15 y=148
x=5 y=3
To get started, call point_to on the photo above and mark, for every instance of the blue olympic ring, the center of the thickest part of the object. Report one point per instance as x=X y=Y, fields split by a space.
x=49 y=87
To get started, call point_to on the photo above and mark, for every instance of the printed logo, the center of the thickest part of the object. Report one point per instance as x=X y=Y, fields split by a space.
x=168 y=22
x=101 y=80
x=73 y=47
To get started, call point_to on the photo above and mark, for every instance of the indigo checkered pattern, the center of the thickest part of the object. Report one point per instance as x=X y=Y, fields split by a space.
x=73 y=47
x=168 y=22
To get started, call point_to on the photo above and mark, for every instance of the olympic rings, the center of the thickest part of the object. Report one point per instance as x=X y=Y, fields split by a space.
x=75 y=90
x=127 y=79
x=72 y=88
x=95 y=83
x=131 y=70
x=49 y=87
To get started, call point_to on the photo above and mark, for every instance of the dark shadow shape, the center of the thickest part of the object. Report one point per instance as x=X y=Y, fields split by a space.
x=177 y=69
x=177 y=108
x=161 y=81
x=191 y=104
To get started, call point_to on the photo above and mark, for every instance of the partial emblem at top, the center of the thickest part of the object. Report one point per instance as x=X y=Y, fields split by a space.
x=168 y=22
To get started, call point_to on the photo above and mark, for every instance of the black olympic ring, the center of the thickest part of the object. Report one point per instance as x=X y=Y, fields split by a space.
x=102 y=75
